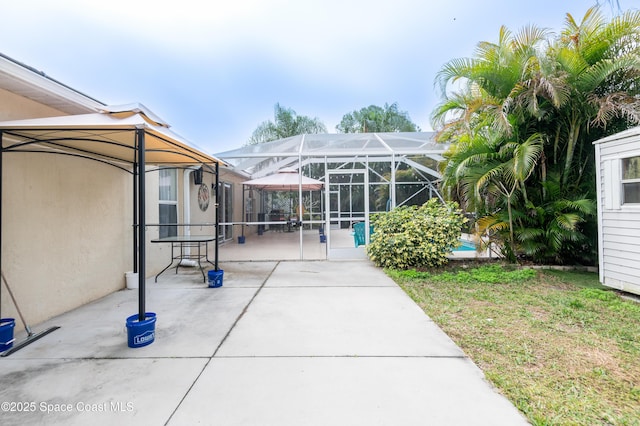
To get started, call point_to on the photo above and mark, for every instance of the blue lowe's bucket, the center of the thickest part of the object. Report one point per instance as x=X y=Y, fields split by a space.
x=215 y=278
x=141 y=333
x=6 y=333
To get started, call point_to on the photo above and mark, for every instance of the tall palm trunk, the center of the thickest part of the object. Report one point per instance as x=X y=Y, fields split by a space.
x=543 y=174
x=509 y=193
x=572 y=140
x=509 y=211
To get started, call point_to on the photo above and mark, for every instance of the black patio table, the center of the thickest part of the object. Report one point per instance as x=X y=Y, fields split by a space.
x=181 y=242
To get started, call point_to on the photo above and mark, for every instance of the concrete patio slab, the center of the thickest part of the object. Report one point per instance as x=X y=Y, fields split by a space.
x=339 y=273
x=190 y=323
x=344 y=391
x=236 y=274
x=275 y=246
x=279 y=343
x=336 y=321
x=94 y=392
x=192 y=319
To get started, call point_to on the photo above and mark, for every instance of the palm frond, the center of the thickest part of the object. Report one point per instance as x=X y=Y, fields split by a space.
x=526 y=156
x=526 y=40
x=569 y=221
x=453 y=71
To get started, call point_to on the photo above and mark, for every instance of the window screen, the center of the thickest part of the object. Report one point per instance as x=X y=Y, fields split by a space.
x=631 y=180
x=168 y=204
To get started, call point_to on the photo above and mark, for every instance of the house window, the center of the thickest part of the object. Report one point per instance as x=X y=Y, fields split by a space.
x=168 y=202
x=631 y=180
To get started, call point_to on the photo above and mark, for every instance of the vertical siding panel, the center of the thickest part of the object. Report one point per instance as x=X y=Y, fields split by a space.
x=618 y=224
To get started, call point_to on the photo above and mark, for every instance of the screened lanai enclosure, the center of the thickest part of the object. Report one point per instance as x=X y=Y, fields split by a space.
x=359 y=174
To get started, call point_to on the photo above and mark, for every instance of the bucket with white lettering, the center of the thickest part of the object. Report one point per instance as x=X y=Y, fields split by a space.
x=6 y=333
x=141 y=333
x=215 y=278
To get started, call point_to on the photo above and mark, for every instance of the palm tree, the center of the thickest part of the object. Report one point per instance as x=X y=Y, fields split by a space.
x=552 y=232
x=286 y=123
x=599 y=62
x=487 y=81
x=492 y=174
x=569 y=91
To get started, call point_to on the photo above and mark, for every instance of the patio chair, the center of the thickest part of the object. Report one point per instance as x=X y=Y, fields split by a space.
x=359 y=238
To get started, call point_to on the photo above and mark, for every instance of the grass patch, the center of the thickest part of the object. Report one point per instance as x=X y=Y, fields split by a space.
x=562 y=348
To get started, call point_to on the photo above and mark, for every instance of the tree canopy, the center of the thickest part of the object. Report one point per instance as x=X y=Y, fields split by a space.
x=286 y=123
x=377 y=119
x=373 y=118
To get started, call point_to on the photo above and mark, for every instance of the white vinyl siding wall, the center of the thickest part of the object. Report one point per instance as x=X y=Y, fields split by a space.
x=619 y=223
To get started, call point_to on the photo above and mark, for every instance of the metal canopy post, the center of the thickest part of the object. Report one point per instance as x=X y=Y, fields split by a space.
x=217 y=210
x=135 y=211
x=244 y=213
x=1 y=204
x=299 y=215
x=141 y=224
x=366 y=201
x=392 y=192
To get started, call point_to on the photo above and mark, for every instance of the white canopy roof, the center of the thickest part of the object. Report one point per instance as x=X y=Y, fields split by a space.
x=108 y=136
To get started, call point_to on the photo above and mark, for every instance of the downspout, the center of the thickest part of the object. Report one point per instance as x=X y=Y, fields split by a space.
x=186 y=211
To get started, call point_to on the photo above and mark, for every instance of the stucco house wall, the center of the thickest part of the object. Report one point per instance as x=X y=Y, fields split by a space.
x=65 y=229
x=618 y=219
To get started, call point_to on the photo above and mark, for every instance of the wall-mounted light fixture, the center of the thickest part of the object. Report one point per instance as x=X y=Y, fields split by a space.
x=197 y=176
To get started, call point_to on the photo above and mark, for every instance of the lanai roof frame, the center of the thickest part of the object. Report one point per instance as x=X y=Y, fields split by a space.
x=344 y=147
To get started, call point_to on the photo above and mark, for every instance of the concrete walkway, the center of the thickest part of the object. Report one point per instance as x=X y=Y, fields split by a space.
x=280 y=343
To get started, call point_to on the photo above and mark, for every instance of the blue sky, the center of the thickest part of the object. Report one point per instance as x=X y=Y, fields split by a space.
x=215 y=69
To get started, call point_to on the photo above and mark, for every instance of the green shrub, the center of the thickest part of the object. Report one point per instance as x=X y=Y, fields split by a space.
x=415 y=236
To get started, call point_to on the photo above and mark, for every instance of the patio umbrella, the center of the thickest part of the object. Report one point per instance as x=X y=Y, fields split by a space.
x=285 y=180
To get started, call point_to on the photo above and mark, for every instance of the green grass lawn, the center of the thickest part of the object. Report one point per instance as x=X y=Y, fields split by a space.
x=562 y=348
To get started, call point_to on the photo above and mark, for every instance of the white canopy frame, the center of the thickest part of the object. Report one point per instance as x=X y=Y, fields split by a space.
x=128 y=137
